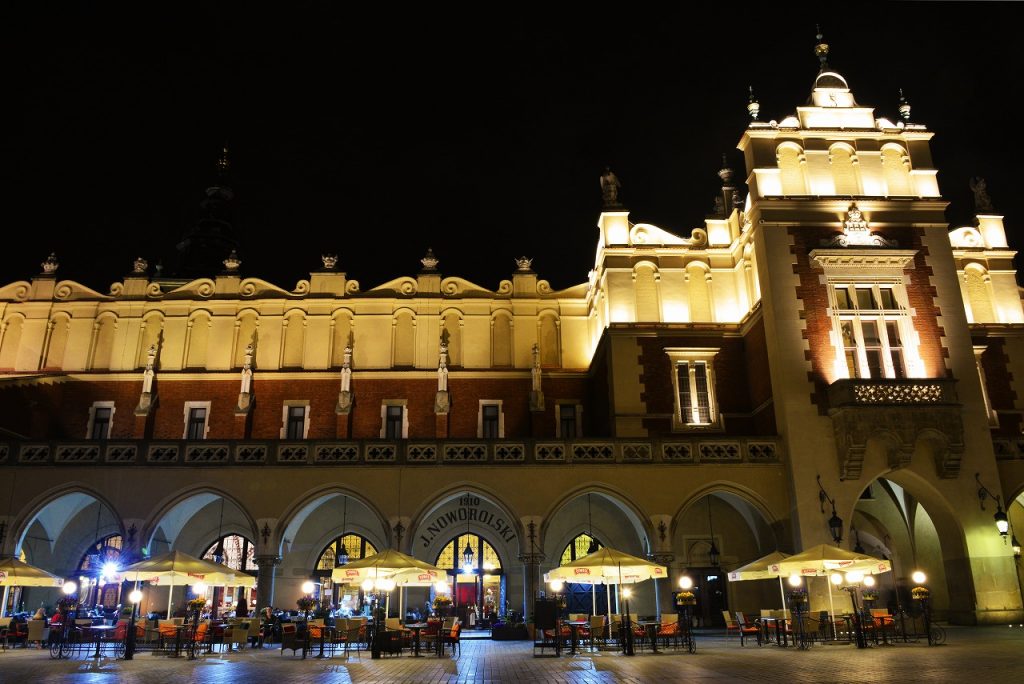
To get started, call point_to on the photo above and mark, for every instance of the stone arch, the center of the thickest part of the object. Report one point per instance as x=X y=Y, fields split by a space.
x=734 y=494
x=293 y=338
x=790 y=157
x=199 y=323
x=698 y=277
x=73 y=498
x=548 y=334
x=978 y=284
x=247 y=323
x=191 y=501
x=57 y=341
x=10 y=340
x=341 y=334
x=103 y=344
x=843 y=160
x=152 y=334
x=301 y=507
x=501 y=339
x=464 y=488
x=452 y=322
x=403 y=325
x=896 y=170
x=646 y=278
x=939 y=523
x=634 y=513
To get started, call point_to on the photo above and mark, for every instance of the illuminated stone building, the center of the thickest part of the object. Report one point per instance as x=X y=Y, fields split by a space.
x=824 y=325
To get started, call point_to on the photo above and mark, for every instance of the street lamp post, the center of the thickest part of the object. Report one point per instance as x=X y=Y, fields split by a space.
x=627 y=638
x=129 y=642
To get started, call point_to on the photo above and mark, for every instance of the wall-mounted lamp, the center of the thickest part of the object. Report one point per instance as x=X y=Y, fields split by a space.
x=1002 y=522
x=835 y=523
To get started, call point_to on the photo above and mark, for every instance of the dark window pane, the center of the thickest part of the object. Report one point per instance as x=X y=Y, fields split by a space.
x=490 y=421
x=700 y=373
x=567 y=419
x=864 y=299
x=197 y=423
x=875 y=363
x=296 y=422
x=393 y=426
x=686 y=414
x=888 y=299
x=842 y=298
x=101 y=423
x=870 y=331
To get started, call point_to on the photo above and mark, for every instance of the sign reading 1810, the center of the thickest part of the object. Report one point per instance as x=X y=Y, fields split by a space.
x=468 y=509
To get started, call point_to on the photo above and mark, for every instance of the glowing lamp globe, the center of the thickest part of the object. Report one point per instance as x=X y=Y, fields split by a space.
x=308 y=587
x=199 y=589
x=69 y=588
x=135 y=596
x=442 y=587
x=367 y=585
x=836 y=578
x=627 y=593
x=794 y=580
x=869 y=580
x=557 y=585
x=685 y=582
x=919 y=577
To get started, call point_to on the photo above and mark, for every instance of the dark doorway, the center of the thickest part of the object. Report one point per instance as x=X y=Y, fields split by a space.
x=712 y=597
x=580 y=600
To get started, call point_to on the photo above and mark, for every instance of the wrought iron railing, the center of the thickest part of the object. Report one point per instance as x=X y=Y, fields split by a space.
x=892 y=392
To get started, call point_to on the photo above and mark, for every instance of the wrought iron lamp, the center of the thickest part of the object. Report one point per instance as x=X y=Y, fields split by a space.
x=1002 y=522
x=713 y=554
x=343 y=551
x=593 y=548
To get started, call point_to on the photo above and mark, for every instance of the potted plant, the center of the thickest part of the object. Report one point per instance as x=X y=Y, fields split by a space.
x=798 y=597
x=920 y=593
x=686 y=598
x=531 y=628
x=870 y=595
x=442 y=604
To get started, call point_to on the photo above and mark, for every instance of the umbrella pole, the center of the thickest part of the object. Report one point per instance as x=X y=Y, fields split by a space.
x=593 y=599
x=170 y=594
x=3 y=606
x=782 y=595
x=831 y=608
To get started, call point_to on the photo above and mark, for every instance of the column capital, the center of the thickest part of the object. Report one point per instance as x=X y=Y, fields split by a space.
x=272 y=560
x=532 y=558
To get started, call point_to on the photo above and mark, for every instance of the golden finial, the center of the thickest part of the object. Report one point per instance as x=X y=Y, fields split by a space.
x=821 y=49
x=223 y=164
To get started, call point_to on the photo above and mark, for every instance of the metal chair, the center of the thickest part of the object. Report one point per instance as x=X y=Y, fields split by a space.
x=748 y=628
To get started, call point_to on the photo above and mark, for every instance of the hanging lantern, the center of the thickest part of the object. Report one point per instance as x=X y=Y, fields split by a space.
x=835 y=525
x=1002 y=522
x=713 y=554
x=467 y=557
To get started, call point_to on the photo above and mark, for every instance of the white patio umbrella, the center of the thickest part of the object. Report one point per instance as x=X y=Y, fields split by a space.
x=177 y=568
x=608 y=566
x=402 y=569
x=761 y=569
x=824 y=559
x=16 y=573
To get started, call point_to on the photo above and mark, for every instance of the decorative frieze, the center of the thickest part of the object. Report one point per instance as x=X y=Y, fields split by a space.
x=293 y=453
x=162 y=453
x=330 y=453
x=206 y=453
x=474 y=453
x=250 y=453
x=544 y=452
x=421 y=453
x=121 y=453
x=77 y=453
x=34 y=453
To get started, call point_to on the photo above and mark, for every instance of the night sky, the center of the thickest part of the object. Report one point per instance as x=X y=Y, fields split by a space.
x=479 y=133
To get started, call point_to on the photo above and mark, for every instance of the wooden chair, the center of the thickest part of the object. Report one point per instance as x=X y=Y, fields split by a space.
x=453 y=637
x=38 y=632
x=614 y=627
x=353 y=636
x=255 y=633
x=598 y=630
x=730 y=624
x=747 y=629
x=669 y=629
x=290 y=638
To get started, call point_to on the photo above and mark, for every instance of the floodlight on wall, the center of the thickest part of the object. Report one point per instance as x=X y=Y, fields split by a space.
x=835 y=523
x=1002 y=522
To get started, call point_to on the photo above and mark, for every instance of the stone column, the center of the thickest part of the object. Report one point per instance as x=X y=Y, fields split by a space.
x=265 y=580
x=531 y=570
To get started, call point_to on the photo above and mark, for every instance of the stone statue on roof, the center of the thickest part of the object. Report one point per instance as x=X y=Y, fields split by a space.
x=982 y=202
x=610 y=186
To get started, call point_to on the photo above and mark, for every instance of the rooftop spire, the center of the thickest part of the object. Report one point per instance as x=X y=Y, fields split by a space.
x=753 y=106
x=223 y=164
x=821 y=49
x=904 y=108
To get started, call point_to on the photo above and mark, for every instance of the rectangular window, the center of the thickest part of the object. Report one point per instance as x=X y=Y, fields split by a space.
x=568 y=421
x=869 y=321
x=694 y=383
x=196 y=423
x=394 y=418
x=490 y=421
x=101 y=416
x=296 y=426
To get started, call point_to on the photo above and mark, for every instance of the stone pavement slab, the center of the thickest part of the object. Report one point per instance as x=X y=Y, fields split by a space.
x=979 y=654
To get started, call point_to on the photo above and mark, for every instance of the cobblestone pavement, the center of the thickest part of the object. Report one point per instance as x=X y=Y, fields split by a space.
x=980 y=654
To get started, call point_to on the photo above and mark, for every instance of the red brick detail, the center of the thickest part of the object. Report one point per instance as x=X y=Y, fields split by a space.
x=995 y=364
x=813 y=295
x=441 y=425
x=344 y=429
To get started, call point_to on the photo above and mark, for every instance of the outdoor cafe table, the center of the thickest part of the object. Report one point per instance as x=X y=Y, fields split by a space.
x=100 y=630
x=416 y=627
x=779 y=625
x=652 y=631
x=574 y=626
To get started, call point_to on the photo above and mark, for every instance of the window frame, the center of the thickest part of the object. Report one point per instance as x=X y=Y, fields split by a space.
x=286 y=410
x=692 y=356
x=91 y=424
x=189 y=405
x=480 y=418
x=857 y=319
x=577 y=411
x=384 y=405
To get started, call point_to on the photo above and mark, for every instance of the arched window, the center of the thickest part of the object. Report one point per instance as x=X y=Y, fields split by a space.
x=843 y=171
x=791 y=170
x=58 y=342
x=235 y=551
x=453 y=326
x=104 y=348
x=355 y=545
x=978 y=296
x=294 y=339
x=501 y=340
x=100 y=591
x=894 y=169
x=404 y=326
x=646 y=290
x=452 y=556
x=11 y=339
x=578 y=548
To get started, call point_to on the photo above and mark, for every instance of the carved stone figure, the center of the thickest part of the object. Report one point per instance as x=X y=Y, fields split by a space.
x=344 y=405
x=140 y=265
x=982 y=202
x=610 y=187
x=429 y=261
x=51 y=264
x=330 y=261
x=536 y=393
x=232 y=262
x=524 y=263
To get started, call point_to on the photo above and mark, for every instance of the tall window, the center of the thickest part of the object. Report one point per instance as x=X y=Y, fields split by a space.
x=568 y=421
x=103 y=552
x=395 y=423
x=295 y=422
x=234 y=551
x=490 y=420
x=197 y=419
x=871 y=323
x=693 y=382
x=101 y=415
x=578 y=548
x=355 y=546
x=485 y=558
